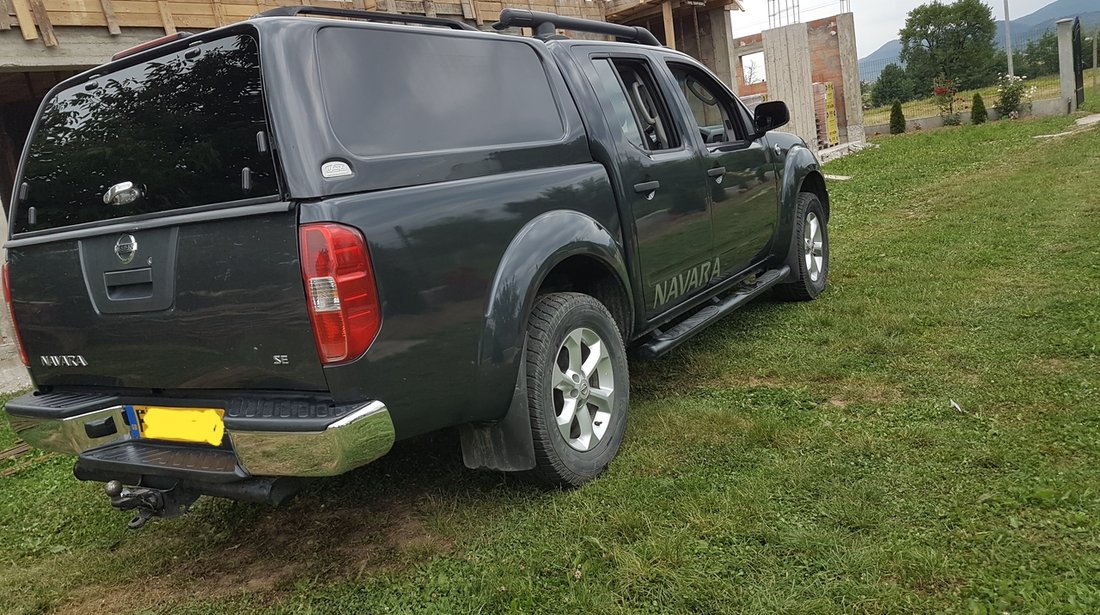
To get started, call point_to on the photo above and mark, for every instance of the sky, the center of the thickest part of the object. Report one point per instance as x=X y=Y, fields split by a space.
x=877 y=21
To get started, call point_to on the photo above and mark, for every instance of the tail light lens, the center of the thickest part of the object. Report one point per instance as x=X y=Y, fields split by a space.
x=339 y=282
x=14 y=325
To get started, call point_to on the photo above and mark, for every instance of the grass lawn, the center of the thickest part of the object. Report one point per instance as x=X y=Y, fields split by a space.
x=1047 y=87
x=796 y=458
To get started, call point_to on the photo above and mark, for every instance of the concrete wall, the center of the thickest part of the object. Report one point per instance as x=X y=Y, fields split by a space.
x=788 y=63
x=800 y=55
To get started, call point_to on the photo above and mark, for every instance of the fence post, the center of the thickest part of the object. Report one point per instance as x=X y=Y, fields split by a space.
x=1065 y=64
x=1095 y=67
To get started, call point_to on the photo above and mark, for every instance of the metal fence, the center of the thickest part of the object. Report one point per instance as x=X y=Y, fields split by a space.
x=884 y=80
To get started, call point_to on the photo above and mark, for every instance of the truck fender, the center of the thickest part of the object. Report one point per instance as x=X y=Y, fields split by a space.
x=801 y=165
x=537 y=248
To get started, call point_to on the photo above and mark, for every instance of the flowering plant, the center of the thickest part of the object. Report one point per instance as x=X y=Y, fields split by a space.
x=944 y=90
x=1013 y=96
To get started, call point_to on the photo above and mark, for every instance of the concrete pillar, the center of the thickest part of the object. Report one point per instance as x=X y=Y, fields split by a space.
x=849 y=67
x=721 y=33
x=790 y=77
x=1065 y=64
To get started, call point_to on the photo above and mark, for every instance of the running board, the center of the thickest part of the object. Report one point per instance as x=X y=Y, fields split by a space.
x=669 y=340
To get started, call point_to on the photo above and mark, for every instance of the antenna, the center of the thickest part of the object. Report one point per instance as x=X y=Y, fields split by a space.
x=783 y=13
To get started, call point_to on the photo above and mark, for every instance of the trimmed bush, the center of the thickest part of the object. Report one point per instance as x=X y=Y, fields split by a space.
x=978 y=114
x=897 y=119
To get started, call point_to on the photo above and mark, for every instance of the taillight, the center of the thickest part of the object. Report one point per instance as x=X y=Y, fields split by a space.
x=11 y=312
x=339 y=281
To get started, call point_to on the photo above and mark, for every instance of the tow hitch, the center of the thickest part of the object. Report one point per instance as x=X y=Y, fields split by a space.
x=148 y=502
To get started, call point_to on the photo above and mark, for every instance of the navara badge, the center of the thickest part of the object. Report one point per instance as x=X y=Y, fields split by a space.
x=125 y=248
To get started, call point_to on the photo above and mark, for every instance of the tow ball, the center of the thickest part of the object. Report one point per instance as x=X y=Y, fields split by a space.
x=148 y=503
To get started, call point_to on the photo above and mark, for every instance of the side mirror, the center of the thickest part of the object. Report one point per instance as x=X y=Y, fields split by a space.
x=769 y=116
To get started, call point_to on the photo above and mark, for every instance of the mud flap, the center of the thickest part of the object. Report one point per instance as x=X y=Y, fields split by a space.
x=506 y=445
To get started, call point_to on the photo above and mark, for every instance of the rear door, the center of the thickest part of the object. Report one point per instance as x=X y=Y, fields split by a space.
x=661 y=173
x=150 y=245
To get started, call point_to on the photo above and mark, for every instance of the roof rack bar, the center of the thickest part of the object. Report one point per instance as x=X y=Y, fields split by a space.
x=544 y=25
x=291 y=11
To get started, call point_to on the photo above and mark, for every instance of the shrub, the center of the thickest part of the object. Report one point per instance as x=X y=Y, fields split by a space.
x=978 y=114
x=897 y=119
x=943 y=91
x=1013 y=96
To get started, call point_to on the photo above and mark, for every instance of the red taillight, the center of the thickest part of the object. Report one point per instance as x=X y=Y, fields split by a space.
x=11 y=312
x=343 y=300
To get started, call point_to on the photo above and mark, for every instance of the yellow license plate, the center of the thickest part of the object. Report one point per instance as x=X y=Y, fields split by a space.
x=203 y=425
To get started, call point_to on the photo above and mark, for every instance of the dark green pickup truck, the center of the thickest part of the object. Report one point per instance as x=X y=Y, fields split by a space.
x=272 y=249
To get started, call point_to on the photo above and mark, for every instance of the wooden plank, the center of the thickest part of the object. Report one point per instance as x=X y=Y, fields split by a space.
x=670 y=33
x=112 y=21
x=15 y=451
x=468 y=11
x=429 y=8
x=166 y=18
x=5 y=15
x=26 y=22
x=44 y=24
x=201 y=8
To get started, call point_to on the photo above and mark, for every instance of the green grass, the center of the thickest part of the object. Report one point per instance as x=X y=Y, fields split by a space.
x=795 y=459
x=1047 y=86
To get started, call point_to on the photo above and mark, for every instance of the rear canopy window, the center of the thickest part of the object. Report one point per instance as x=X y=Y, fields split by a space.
x=181 y=128
x=390 y=93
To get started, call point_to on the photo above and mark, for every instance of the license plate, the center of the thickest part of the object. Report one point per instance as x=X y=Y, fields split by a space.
x=199 y=425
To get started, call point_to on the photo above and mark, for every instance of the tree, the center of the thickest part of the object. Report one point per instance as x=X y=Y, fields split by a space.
x=978 y=114
x=954 y=40
x=897 y=119
x=1040 y=57
x=893 y=84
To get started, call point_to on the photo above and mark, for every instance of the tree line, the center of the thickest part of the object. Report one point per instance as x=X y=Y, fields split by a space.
x=955 y=42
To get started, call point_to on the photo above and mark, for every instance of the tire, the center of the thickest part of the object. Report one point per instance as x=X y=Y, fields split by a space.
x=810 y=233
x=574 y=446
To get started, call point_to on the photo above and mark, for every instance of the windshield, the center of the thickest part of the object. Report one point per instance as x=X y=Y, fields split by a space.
x=175 y=132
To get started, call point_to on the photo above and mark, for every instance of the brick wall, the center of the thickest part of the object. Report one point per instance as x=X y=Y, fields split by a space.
x=825 y=62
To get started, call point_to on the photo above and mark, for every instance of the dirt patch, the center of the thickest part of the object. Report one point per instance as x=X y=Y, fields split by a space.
x=264 y=558
x=367 y=522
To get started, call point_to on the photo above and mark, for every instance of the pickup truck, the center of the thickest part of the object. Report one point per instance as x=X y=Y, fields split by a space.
x=268 y=251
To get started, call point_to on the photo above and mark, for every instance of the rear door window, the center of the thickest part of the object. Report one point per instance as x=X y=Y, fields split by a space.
x=182 y=129
x=393 y=92
x=632 y=103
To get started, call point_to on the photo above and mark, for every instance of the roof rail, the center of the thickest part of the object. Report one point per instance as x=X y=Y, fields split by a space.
x=545 y=24
x=291 y=11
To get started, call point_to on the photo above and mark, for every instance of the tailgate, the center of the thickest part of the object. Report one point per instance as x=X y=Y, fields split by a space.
x=151 y=246
x=212 y=305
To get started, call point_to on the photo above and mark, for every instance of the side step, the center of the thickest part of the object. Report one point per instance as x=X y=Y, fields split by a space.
x=669 y=340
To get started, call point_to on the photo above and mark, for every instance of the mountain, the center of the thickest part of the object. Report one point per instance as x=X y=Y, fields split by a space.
x=1024 y=29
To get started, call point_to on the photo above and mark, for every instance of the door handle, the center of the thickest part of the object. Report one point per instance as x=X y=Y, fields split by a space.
x=648 y=189
x=716 y=172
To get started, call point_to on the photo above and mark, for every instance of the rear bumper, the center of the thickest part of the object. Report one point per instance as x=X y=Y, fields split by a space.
x=260 y=446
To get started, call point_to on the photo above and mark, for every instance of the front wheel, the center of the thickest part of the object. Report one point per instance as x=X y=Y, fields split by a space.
x=578 y=388
x=811 y=237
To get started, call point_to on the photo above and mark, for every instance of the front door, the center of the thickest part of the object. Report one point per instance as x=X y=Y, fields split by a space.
x=739 y=174
x=660 y=172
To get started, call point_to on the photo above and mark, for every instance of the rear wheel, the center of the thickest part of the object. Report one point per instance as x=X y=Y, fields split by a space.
x=812 y=243
x=577 y=388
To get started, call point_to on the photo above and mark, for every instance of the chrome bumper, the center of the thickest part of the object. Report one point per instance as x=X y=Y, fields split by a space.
x=354 y=440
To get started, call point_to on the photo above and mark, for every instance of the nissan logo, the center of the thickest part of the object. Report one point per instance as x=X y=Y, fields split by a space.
x=125 y=248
